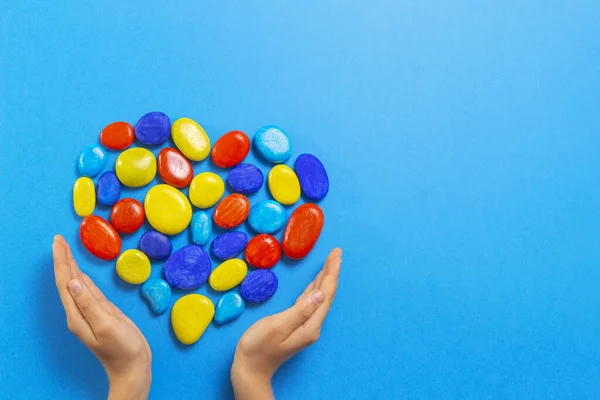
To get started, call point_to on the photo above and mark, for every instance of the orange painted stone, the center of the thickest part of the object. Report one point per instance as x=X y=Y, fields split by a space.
x=127 y=215
x=230 y=149
x=302 y=230
x=117 y=136
x=99 y=237
x=263 y=251
x=232 y=211
x=174 y=168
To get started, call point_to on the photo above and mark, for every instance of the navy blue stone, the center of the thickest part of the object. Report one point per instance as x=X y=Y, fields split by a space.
x=245 y=178
x=229 y=244
x=108 y=189
x=312 y=176
x=156 y=245
x=259 y=286
x=188 y=268
x=153 y=129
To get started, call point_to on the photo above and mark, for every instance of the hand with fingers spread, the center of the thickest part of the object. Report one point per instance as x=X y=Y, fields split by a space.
x=273 y=340
x=103 y=328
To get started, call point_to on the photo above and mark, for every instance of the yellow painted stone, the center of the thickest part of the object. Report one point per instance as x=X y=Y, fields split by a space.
x=190 y=139
x=206 y=189
x=133 y=267
x=167 y=209
x=84 y=196
x=136 y=167
x=228 y=274
x=190 y=316
x=284 y=185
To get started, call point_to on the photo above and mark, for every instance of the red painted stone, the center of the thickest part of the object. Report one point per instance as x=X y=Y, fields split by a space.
x=117 y=136
x=99 y=237
x=174 y=168
x=302 y=230
x=263 y=251
x=230 y=149
x=127 y=215
x=232 y=211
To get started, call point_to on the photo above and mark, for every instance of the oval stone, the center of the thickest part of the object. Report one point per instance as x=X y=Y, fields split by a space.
x=133 y=267
x=190 y=317
x=284 y=185
x=232 y=211
x=201 y=228
x=267 y=216
x=245 y=178
x=230 y=149
x=263 y=251
x=190 y=139
x=229 y=244
x=228 y=275
x=156 y=245
x=108 y=189
x=174 y=168
x=273 y=144
x=91 y=161
x=230 y=306
x=99 y=237
x=167 y=209
x=153 y=129
x=206 y=189
x=127 y=215
x=136 y=167
x=84 y=197
x=258 y=286
x=188 y=268
x=157 y=293
x=302 y=230
x=117 y=136
x=312 y=176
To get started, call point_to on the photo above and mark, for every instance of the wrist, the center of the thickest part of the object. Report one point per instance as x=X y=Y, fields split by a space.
x=249 y=385
x=129 y=385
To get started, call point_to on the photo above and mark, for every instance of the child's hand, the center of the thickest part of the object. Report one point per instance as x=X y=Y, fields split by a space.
x=273 y=340
x=103 y=328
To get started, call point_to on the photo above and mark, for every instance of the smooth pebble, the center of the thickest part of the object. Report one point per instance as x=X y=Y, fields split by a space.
x=167 y=209
x=273 y=144
x=133 y=267
x=190 y=139
x=153 y=129
x=201 y=228
x=108 y=189
x=127 y=215
x=312 y=176
x=232 y=211
x=258 y=286
x=206 y=189
x=99 y=237
x=302 y=230
x=230 y=149
x=228 y=244
x=91 y=161
x=174 y=168
x=245 y=178
x=228 y=274
x=284 y=185
x=229 y=307
x=117 y=136
x=263 y=251
x=156 y=245
x=190 y=316
x=187 y=268
x=267 y=216
x=84 y=197
x=136 y=167
x=157 y=293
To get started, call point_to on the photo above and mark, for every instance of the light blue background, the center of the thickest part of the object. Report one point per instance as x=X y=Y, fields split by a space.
x=462 y=139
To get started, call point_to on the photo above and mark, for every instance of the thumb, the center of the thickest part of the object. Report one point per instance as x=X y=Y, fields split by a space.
x=93 y=312
x=300 y=312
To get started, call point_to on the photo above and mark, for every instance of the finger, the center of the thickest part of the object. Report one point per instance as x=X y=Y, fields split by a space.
x=333 y=259
x=95 y=290
x=299 y=313
x=62 y=276
x=316 y=283
x=89 y=306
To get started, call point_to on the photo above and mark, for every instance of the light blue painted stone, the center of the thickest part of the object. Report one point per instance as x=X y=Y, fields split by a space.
x=157 y=293
x=91 y=161
x=267 y=216
x=273 y=144
x=201 y=228
x=230 y=306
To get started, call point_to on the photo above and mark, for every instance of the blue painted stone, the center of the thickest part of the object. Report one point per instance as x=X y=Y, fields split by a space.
x=201 y=228
x=229 y=244
x=259 y=286
x=312 y=176
x=108 y=189
x=273 y=144
x=156 y=245
x=153 y=129
x=245 y=178
x=188 y=268
x=267 y=216
x=157 y=293
x=91 y=161
x=230 y=306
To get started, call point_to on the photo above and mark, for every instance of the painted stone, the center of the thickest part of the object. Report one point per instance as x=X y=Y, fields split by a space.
x=258 y=286
x=188 y=268
x=228 y=275
x=245 y=178
x=201 y=228
x=267 y=216
x=302 y=230
x=84 y=197
x=230 y=149
x=153 y=129
x=136 y=167
x=190 y=139
x=273 y=144
x=157 y=293
x=156 y=245
x=133 y=267
x=263 y=251
x=284 y=185
x=167 y=209
x=127 y=215
x=190 y=317
x=108 y=189
x=230 y=306
x=312 y=176
x=232 y=211
x=99 y=237
x=91 y=161
x=206 y=189
x=229 y=244
x=117 y=136
x=174 y=168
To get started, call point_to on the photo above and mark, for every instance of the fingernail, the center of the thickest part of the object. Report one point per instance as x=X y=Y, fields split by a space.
x=74 y=286
x=317 y=297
